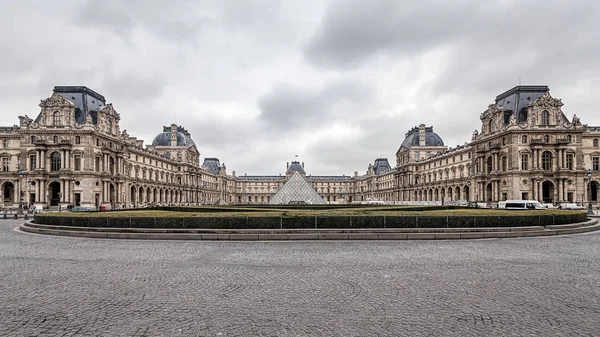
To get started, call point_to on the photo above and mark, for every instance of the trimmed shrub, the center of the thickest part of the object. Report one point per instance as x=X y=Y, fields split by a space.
x=400 y=221
x=486 y=221
x=143 y=222
x=461 y=221
x=367 y=222
x=264 y=222
x=431 y=222
x=169 y=222
x=297 y=222
x=334 y=222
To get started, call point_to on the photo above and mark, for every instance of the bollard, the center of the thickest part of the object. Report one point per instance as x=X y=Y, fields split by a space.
x=25 y=217
x=16 y=216
x=5 y=215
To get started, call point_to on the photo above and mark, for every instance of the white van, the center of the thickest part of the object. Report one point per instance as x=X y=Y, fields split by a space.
x=523 y=204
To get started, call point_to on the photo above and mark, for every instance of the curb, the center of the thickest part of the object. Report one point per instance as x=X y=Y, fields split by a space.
x=309 y=234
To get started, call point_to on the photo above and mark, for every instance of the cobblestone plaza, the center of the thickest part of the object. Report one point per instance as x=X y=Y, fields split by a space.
x=57 y=286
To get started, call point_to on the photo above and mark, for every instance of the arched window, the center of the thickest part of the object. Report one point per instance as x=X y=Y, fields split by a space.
x=109 y=126
x=5 y=143
x=490 y=167
x=547 y=161
x=56 y=118
x=524 y=139
x=545 y=118
x=546 y=139
x=491 y=126
x=55 y=161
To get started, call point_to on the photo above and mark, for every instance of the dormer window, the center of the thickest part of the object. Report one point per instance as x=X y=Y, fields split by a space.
x=545 y=118
x=56 y=118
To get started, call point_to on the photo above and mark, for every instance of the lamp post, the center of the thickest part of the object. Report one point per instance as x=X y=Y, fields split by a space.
x=20 y=210
x=536 y=187
x=204 y=194
x=590 y=211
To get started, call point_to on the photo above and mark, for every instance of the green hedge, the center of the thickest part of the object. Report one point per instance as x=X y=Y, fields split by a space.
x=315 y=221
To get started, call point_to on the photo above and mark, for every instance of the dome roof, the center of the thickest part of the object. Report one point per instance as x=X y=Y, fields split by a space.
x=295 y=166
x=164 y=138
x=431 y=138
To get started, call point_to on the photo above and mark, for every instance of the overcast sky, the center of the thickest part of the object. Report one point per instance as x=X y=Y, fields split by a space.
x=338 y=83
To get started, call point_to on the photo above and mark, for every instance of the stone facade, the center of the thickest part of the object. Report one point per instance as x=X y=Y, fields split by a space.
x=74 y=153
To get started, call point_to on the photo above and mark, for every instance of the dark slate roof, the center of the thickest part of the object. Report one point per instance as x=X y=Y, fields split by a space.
x=517 y=98
x=213 y=164
x=164 y=138
x=271 y=178
x=295 y=166
x=381 y=166
x=431 y=138
x=332 y=178
x=86 y=100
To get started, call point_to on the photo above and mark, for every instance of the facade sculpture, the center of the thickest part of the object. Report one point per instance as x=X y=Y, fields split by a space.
x=74 y=153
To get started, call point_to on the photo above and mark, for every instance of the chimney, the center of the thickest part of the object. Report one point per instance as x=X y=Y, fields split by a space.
x=302 y=164
x=173 y=135
x=288 y=165
x=422 y=135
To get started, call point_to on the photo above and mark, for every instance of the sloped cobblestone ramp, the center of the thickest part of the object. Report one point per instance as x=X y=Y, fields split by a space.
x=65 y=286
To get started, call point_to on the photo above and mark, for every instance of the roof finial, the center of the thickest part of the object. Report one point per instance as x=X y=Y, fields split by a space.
x=519 y=80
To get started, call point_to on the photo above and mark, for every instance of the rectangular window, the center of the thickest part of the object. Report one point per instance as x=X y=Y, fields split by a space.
x=32 y=162
x=524 y=160
x=596 y=163
x=77 y=163
x=97 y=164
x=503 y=163
x=5 y=163
x=570 y=161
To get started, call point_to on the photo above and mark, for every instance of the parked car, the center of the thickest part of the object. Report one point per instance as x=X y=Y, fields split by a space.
x=549 y=206
x=81 y=209
x=571 y=206
x=523 y=204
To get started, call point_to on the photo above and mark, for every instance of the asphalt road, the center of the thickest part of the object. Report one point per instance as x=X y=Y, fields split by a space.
x=58 y=286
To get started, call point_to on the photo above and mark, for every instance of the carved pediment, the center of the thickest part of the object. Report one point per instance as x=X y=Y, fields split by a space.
x=110 y=110
x=547 y=101
x=55 y=101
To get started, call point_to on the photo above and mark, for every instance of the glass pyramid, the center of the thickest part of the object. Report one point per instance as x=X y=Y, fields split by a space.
x=296 y=191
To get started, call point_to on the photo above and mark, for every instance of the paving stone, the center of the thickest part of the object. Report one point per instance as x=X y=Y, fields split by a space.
x=65 y=286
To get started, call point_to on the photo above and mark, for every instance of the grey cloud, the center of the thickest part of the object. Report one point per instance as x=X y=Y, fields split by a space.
x=353 y=31
x=291 y=107
x=179 y=20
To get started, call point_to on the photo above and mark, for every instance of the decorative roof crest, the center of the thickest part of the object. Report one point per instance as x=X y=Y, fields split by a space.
x=55 y=101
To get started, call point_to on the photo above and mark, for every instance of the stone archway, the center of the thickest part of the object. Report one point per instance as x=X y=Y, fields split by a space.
x=449 y=194
x=8 y=193
x=112 y=195
x=466 y=193
x=132 y=195
x=593 y=190
x=457 y=193
x=547 y=192
x=488 y=192
x=54 y=193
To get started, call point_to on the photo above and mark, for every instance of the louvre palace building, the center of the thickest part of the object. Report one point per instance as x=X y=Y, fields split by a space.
x=75 y=152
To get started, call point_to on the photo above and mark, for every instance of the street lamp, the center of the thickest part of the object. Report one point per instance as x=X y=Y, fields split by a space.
x=536 y=187
x=20 y=210
x=590 y=211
